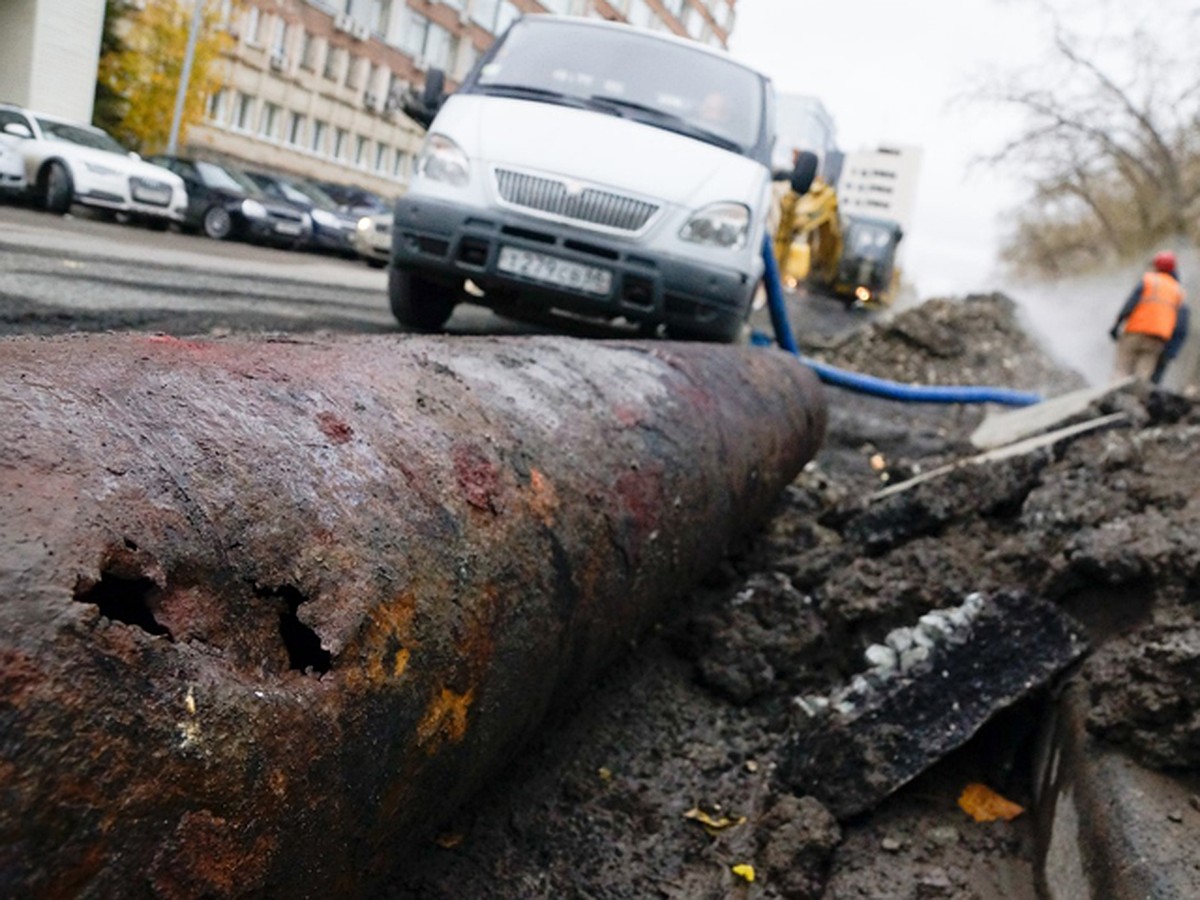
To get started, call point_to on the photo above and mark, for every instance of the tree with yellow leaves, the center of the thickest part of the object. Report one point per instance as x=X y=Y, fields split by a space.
x=142 y=70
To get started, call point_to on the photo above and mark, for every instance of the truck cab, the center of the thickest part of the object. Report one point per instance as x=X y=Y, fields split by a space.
x=595 y=169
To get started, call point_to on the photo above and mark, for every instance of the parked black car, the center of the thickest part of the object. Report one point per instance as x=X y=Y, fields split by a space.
x=333 y=228
x=225 y=203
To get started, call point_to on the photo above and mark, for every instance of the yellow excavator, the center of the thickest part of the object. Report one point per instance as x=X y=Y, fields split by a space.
x=852 y=258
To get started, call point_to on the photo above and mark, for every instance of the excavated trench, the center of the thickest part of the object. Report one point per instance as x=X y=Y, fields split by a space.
x=1066 y=576
x=679 y=770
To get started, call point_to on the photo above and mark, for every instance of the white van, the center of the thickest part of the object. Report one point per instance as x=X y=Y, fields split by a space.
x=592 y=168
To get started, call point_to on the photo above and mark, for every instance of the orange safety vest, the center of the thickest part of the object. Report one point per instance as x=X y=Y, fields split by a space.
x=1158 y=308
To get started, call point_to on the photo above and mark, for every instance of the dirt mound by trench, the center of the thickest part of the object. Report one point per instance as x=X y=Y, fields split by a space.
x=662 y=781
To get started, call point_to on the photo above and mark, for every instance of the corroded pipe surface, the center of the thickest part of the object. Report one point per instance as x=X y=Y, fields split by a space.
x=269 y=609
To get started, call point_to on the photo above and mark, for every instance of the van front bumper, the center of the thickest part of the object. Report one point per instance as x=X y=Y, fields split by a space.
x=456 y=242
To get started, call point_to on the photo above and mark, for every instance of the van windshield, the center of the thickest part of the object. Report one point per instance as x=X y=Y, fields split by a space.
x=629 y=74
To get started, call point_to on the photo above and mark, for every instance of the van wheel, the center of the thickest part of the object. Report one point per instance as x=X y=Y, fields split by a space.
x=57 y=190
x=418 y=302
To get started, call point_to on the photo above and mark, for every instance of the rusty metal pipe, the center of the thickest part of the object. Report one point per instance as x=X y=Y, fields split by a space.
x=269 y=609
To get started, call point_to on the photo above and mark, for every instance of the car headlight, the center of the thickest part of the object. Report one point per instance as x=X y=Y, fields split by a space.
x=252 y=209
x=719 y=225
x=443 y=160
x=98 y=169
x=324 y=217
x=364 y=224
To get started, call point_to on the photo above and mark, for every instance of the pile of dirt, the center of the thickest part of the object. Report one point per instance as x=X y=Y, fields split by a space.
x=663 y=780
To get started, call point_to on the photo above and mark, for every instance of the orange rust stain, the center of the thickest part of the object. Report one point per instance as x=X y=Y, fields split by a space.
x=385 y=644
x=543 y=499
x=445 y=720
x=401 y=662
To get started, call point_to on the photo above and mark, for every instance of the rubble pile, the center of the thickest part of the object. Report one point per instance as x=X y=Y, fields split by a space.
x=1102 y=526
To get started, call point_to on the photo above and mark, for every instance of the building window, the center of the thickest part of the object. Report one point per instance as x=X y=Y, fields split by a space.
x=381 y=157
x=308 y=51
x=333 y=62
x=253 y=30
x=318 y=136
x=467 y=57
x=218 y=106
x=354 y=73
x=379 y=16
x=279 y=36
x=400 y=164
x=296 y=129
x=340 y=141
x=639 y=14
x=245 y=112
x=360 y=151
x=268 y=125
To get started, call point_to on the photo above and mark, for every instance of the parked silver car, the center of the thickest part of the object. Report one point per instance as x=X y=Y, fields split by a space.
x=69 y=162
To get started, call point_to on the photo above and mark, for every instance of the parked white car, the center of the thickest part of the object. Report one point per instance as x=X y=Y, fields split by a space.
x=373 y=239
x=12 y=171
x=69 y=162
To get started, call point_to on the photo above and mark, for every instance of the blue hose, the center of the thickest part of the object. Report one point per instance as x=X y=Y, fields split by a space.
x=868 y=384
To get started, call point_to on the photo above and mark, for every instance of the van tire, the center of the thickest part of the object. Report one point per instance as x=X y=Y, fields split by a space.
x=420 y=303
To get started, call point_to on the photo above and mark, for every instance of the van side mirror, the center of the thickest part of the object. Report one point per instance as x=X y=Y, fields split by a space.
x=422 y=108
x=16 y=129
x=804 y=172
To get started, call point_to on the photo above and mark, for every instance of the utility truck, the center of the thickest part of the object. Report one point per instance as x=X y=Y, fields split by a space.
x=594 y=169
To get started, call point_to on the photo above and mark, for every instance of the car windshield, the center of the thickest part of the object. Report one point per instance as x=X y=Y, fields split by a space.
x=79 y=134
x=626 y=73
x=218 y=177
x=869 y=240
x=316 y=195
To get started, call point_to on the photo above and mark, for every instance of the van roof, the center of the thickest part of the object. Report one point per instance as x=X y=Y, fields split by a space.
x=647 y=32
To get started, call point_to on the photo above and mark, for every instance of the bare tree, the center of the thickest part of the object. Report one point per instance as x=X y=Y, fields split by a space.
x=1110 y=140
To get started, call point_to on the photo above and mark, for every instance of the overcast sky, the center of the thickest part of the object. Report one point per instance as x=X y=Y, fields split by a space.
x=887 y=71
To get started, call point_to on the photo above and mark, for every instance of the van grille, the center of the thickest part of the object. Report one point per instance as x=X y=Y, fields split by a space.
x=596 y=207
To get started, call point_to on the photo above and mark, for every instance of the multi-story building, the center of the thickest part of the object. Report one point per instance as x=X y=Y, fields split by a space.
x=314 y=87
x=48 y=55
x=881 y=183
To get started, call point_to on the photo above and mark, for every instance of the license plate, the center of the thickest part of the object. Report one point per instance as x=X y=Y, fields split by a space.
x=548 y=269
x=288 y=227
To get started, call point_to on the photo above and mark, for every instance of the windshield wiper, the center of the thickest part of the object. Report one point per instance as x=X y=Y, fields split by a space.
x=621 y=103
x=669 y=121
x=524 y=91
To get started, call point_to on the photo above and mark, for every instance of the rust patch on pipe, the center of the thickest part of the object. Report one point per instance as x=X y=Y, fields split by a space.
x=224 y=642
x=334 y=428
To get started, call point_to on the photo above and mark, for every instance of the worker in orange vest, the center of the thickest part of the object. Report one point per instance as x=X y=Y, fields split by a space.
x=1155 y=321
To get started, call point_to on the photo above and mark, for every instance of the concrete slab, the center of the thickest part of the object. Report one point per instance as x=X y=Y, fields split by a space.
x=1009 y=426
x=1020 y=448
x=1109 y=829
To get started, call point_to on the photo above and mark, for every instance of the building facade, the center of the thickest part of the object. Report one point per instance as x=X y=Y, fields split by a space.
x=48 y=55
x=314 y=87
x=881 y=183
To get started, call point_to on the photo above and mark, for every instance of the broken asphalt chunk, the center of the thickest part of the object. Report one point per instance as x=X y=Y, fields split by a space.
x=892 y=722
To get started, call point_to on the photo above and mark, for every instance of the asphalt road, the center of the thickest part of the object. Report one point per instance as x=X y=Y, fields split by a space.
x=79 y=273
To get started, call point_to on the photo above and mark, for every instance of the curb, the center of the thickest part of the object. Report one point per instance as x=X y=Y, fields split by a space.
x=1107 y=827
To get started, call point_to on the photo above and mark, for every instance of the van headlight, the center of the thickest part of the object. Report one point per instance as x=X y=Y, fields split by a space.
x=443 y=160
x=719 y=225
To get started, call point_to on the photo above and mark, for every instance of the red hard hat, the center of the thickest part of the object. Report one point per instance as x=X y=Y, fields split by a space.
x=1165 y=261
